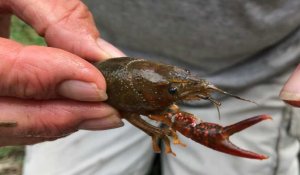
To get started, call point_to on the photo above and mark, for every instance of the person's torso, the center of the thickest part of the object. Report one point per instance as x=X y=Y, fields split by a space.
x=212 y=35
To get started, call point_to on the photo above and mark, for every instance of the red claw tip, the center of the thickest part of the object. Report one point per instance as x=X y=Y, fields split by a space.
x=237 y=127
x=263 y=157
x=266 y=117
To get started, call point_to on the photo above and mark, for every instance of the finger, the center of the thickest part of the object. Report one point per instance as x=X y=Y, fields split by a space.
x=68 y=25
x=36 y=72
x=290 y=92
x=47 y=120
x=4 y=23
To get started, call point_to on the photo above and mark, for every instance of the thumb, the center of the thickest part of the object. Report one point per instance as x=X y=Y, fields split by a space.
x=290 y=92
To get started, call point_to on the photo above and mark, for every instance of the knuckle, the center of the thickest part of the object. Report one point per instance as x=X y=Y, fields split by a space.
x=27 y=79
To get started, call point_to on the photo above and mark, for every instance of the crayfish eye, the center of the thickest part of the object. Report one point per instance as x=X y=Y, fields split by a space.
x=172 y=90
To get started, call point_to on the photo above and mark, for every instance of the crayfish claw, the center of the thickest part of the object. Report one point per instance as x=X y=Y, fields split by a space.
x=228 y=147
x=217 y=137
x=237 y=127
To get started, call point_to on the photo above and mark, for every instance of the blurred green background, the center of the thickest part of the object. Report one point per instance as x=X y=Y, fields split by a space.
x=23 y=33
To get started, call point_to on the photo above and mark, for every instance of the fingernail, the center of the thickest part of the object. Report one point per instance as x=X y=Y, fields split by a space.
x=291 y=90
x=109 y=50
x=100 y=124
x=292 y=96
x=82 y=91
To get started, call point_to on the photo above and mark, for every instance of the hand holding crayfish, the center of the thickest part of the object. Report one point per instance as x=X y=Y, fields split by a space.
x=37 y=92
x=45 y=92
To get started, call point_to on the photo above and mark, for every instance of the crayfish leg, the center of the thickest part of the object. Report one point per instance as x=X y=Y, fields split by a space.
x=168 y=148
x=155 y=132
x=165 y=120
x=176 y=140
x=155 y=145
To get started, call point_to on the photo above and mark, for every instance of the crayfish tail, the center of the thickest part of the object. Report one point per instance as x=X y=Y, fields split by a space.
x=237 y=127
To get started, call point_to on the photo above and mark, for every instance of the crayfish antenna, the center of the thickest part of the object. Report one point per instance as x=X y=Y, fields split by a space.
x=217 y=104
x=213 y=87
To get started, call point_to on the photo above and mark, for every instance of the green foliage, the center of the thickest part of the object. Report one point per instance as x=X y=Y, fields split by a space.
x=21 y=32
x=12 y=151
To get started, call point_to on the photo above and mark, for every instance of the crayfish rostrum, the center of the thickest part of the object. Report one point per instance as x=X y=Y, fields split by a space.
x=138 y=87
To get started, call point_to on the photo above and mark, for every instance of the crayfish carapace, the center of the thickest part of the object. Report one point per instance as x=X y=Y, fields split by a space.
x=138 y=87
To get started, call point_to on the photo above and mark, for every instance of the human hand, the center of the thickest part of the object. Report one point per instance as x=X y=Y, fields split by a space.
x=290 y=93
x=51 y=92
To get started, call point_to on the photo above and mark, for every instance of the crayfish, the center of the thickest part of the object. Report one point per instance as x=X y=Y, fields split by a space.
x=137 y=88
